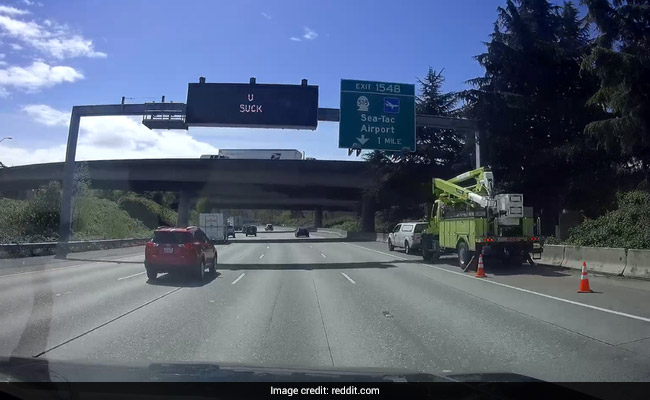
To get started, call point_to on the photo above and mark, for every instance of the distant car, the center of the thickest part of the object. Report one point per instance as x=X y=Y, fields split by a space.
x=231 y=231
x=407 y=235
x=268 y=227
x=250 y=230
x=302 y=232
x=179 y=250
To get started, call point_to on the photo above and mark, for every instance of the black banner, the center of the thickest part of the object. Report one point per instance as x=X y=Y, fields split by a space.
x=252 y=105
x=328 y=390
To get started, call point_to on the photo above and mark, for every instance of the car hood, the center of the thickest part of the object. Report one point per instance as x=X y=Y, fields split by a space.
x=33 y=370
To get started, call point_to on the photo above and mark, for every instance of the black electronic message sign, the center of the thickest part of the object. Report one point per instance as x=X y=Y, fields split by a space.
x=252 y=105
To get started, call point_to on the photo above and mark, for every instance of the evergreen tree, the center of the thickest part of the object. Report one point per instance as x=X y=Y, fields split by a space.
x=530 y=104
x=621 y=61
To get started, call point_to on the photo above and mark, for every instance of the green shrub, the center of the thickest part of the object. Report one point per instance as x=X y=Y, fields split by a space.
x=148 y=211
x=34 y=220
x=37 y=219
x=103 y=219
x=42 y=215
x=552 y=240
x=628 y=226
x=11 y=220
x=350 y=225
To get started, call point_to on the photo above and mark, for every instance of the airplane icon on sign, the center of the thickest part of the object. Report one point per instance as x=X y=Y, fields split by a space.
x=391 y=105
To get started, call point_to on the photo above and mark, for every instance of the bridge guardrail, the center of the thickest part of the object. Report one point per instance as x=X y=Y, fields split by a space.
x=14 y=250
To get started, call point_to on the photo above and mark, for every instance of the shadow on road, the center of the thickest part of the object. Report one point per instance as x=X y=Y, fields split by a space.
x=499 y=269
x=293 y=240
x=309 y=267
x=183 y=280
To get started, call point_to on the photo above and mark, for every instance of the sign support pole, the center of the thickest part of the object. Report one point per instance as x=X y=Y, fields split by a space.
x=65 y=216
x=477 y=146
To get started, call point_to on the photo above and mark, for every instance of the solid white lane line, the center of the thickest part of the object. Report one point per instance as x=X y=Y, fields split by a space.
x=310 y=247
x=348 y=278
x=324 y=256
x=63 y=268
x=377 y=251
x=622 y=314
x=131 y=276
x=262 y=256
x=238 y=278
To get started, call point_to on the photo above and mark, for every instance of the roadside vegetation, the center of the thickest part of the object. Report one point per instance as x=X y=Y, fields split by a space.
x=98 y=214
x=37 y=219
x=627 y=226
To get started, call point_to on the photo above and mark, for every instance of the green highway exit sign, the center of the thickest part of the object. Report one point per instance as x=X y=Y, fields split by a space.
x=377 y=115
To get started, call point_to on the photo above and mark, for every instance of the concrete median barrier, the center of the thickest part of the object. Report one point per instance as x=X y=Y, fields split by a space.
x=638 y=264
x=337 y=232
x=15 y=250
x=605 y=260
x=552 y=255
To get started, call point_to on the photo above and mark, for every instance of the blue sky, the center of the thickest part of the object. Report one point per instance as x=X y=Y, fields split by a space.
x=56 y=54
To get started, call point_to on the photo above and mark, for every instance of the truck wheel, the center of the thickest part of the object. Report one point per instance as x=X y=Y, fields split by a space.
x=427 y=254
x=464 y=255
x=390 y=246
x=407 y=248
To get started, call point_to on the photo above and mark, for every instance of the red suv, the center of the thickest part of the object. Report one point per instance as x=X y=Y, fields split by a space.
x=179 y=250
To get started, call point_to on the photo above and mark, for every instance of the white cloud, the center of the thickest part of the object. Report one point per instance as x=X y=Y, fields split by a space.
x=309 y=34
x=47 y=115
x=36 y=76
x=28 y=2
x=107 y=138
x=52 y=39
x=3 y=63
x=12 y=10
x=265 y=15
x=16 y=46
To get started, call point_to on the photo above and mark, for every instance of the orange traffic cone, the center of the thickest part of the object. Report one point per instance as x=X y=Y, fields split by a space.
x=480 y=271
x=584 y=281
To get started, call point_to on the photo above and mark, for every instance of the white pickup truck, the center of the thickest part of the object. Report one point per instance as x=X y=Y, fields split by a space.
x=406 y=235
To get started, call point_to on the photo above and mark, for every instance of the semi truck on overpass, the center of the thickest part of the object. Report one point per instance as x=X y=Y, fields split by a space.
x=473 y=220
x=257 y=154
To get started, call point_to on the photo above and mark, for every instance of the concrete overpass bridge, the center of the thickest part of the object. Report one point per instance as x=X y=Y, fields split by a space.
x=229 y=183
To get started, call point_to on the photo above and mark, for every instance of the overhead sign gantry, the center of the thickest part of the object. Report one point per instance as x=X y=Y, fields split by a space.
x=390 y=127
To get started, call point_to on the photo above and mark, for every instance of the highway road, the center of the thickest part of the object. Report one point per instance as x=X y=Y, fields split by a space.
x=281 y=301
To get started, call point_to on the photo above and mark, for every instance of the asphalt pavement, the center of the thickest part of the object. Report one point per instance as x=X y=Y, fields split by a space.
x=278 y=300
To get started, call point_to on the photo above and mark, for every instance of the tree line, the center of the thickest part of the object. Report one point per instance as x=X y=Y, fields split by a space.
x=563 y=108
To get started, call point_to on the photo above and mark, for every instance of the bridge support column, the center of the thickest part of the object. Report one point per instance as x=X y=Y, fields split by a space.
x=368 y=214
x=318 y=217
x=183 y=209
x=65 y=214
